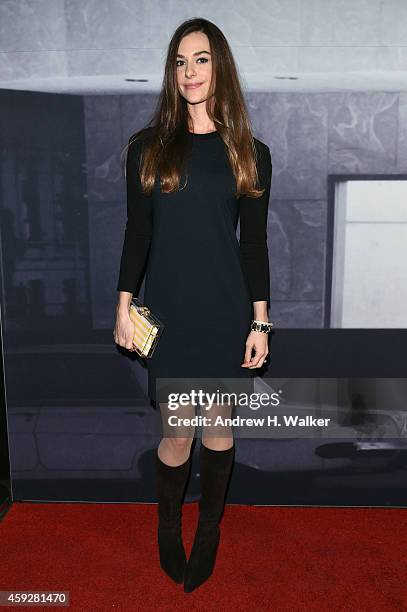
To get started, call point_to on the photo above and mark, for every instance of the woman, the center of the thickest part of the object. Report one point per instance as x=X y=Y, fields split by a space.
x=190 y=175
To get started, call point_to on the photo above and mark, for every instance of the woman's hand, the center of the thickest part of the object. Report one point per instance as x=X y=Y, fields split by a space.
x=124 y=329
x=259 y=342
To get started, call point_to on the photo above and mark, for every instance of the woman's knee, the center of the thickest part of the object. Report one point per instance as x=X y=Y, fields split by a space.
x=218 y=443
x=179 y=443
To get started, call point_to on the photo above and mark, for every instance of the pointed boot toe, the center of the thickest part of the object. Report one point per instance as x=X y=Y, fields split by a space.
x=173 y=559
x=202 y=560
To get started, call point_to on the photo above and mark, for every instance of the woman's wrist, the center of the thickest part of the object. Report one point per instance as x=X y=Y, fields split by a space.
x=124 y=302
x=260 y=311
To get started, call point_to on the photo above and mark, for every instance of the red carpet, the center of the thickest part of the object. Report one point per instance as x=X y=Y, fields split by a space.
x=283 y=559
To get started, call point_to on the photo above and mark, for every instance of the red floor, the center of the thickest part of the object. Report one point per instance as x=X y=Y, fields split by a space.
x=275 y=558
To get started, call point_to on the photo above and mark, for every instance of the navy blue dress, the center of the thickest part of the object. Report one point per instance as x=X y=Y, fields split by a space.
x=199 y=280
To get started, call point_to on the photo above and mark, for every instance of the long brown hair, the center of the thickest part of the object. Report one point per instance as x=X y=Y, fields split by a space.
x=166 y=148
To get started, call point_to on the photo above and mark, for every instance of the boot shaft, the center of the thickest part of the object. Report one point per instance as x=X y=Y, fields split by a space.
x=215 y=472
x=171 y=484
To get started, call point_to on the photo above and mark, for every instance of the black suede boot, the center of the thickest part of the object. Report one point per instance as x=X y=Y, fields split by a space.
x=215 y=469
x=171 y=484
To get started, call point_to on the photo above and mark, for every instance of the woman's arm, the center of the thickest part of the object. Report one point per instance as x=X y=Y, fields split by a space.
x=139 y=226
x=136 y=245
x=254 y=256
x=253 y=233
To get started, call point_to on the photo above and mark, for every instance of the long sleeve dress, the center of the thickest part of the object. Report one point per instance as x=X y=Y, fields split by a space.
x=199 y=279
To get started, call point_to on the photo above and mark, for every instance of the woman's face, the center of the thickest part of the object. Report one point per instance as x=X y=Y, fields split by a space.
x=194 y=67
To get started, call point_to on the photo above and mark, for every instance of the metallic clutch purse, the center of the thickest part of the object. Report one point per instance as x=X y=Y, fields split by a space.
x=147 y=328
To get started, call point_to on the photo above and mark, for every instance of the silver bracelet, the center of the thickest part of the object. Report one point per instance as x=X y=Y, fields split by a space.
x=261 y=326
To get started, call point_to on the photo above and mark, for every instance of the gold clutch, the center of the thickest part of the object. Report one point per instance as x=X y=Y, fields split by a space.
x=147 y=328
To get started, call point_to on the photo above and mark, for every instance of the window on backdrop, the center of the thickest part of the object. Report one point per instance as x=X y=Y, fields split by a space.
x=369 y=267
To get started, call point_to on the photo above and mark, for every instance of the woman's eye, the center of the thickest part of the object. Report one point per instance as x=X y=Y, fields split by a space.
x=180 y=62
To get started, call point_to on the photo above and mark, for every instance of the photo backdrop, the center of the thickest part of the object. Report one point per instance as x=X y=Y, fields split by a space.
x=326 y=90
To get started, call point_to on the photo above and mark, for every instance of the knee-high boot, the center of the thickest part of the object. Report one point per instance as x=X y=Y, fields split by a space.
x=215 y=470
x=171 y=484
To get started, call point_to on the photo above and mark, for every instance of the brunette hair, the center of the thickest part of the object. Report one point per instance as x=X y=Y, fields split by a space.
x=165 y=150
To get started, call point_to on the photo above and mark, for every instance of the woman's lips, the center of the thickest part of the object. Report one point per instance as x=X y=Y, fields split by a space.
x=195 y=86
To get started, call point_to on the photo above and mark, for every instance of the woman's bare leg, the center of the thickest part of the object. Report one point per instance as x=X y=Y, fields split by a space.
x=175 y=446
x=217 y=437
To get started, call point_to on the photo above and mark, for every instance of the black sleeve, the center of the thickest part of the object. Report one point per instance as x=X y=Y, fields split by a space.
x=253 y=231
x=139 y=226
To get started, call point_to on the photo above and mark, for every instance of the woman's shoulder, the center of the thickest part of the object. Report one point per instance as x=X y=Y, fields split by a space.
x=261 y=146
x=263 y=154
x=141 y=136
x=135 y=145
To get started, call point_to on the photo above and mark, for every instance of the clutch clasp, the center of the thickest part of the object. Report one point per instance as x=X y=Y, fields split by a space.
x=144 y=310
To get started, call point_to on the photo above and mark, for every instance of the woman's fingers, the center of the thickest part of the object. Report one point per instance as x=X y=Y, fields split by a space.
x=258 y=360
x=261 y=351
x=126 y=342
x=261 y=360
x=128 y=338
x=248 y=353
x=123 y=334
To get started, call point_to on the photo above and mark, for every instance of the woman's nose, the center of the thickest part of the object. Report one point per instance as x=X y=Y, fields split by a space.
x=189 y=72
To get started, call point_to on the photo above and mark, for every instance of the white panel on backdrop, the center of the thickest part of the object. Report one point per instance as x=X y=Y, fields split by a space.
x=369 y=280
